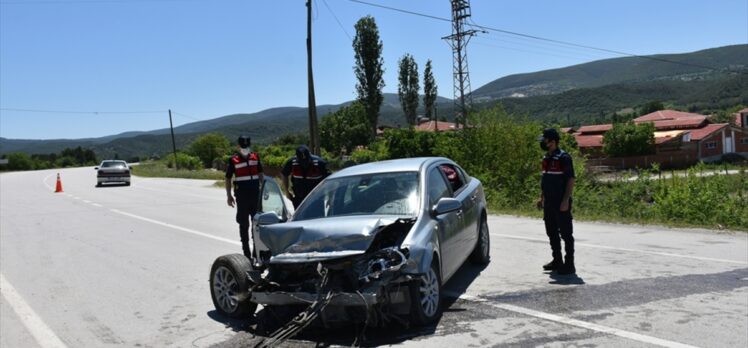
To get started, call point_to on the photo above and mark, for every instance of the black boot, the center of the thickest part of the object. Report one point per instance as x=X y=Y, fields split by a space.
x=554 y=265
x=568 y=267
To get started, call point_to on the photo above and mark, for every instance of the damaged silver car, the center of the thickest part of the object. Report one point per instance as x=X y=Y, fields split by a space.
x=372 y=243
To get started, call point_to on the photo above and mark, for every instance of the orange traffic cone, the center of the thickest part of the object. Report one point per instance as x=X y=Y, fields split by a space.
x=59 y=184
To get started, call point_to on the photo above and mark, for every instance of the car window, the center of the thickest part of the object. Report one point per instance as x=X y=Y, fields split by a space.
x=369 y=194
x=113 y=164
x=272 y=198
x=437 y=187
x=455 y=178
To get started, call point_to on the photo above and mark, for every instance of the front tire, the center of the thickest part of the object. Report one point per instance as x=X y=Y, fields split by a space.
x=482 y=253
x=229 y=286
x=425 y=297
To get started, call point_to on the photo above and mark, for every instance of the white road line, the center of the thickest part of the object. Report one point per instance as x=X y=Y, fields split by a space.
x=44 y=181
x=86 y=201
x=43 y=335
x=627 y=249
x=96 y=205
x=180 y=228
x=578 y=323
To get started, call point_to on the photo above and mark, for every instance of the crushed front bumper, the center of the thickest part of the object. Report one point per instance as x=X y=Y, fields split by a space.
x=345 y=299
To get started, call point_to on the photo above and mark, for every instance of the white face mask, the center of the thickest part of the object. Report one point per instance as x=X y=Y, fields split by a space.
x=244 y=151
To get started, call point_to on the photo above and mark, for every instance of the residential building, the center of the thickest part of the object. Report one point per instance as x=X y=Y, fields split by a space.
x=681 y=139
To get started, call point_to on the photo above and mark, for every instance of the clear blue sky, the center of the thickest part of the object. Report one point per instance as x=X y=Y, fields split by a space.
x=209 y=58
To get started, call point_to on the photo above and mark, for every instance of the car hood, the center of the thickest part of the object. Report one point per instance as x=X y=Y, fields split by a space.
x=322 y=239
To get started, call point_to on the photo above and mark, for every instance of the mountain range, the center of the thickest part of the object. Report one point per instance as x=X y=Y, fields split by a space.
x=701 y=81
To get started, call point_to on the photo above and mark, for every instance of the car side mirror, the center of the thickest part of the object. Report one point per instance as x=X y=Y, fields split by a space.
x=269 y=218
x=446 y=205
x=96 y=168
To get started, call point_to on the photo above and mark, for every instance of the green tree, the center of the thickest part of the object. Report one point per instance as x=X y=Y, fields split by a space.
x=369 y=69
x=429 y=92
x=651 y=107
x=184 y=161
x=209 y=147
x=408 y=87
x=19 y=161
x=345 y=129
x=726 y=116
x=629 y=139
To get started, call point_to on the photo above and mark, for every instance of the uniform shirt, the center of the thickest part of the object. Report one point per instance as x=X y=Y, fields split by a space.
x=304 y=180
x=557 y=170
x=250 y=165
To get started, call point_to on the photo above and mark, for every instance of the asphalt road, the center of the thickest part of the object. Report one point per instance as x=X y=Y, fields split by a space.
x=128 y=266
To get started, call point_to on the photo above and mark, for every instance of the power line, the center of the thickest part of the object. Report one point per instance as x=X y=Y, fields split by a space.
x=403 y=11
x=337 y=20
x=82 y=112
x=531 y=51
x=534 y=37
x=186 y=116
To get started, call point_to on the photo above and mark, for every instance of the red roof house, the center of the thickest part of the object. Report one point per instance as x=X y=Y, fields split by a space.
x=680 y=137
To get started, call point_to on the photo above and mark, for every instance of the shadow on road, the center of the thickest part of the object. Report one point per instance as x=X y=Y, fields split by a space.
x=254 y=330
x=571 y=279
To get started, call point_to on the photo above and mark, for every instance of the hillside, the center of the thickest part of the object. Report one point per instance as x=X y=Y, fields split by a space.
x=596 y=105
x=620 y=70
x=580 y=94
x=264 y=127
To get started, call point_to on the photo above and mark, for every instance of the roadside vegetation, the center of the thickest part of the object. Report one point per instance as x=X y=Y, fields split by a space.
x=69 y=157
x=499 y=146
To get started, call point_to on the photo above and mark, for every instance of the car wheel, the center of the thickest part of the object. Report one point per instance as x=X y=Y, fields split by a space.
x=482 y=253
x=127 y=183
x=425 y=295
x=98 y=184
x=229 y=286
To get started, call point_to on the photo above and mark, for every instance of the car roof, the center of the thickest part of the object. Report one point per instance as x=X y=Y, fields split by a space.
x=121 y=161
x=389 y=166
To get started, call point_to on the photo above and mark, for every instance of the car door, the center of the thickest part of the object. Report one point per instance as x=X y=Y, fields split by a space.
x=467 y=194
x=271 y=199
x=447 y=225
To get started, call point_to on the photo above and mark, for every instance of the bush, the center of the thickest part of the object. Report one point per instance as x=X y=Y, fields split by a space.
x=184 y=161
x=19 y=161
x=210 y=146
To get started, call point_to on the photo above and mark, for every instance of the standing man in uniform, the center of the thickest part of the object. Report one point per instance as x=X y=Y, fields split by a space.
x=246 y=168
x=306 y=171
x=556 y=186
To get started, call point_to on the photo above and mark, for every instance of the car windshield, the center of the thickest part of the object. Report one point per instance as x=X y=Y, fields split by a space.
x=112 y=164
x=369 y=194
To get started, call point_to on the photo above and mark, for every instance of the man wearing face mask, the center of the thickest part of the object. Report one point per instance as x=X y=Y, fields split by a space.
x=557 y=184
x=306 y=171
x=246 y=169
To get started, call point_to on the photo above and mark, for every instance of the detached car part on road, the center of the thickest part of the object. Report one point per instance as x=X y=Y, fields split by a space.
x=372 y=243
x=112 y=171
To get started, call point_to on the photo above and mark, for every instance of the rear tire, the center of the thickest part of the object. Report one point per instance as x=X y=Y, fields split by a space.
x=229 y=286
x=425 y=297
x=482 y=253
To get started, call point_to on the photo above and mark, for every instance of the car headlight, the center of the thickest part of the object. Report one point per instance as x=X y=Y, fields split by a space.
x=383 y=261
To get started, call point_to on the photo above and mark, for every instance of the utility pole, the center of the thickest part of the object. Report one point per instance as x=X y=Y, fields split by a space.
x=313 y=133
x=461 y=76
x=173 y=143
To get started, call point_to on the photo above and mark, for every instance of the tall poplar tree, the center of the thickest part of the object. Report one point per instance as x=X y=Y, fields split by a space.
x=429 y=92
x=369 y=69
x=408 y=88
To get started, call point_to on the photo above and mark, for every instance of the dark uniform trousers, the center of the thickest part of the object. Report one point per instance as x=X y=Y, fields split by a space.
x=558 y=226
x=247 y=197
